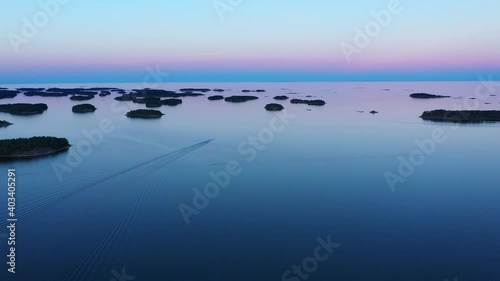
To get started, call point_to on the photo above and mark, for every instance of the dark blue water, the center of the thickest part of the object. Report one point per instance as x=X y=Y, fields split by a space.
x=319 y=176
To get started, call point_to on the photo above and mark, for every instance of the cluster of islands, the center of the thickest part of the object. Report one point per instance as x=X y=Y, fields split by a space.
x=157 y=98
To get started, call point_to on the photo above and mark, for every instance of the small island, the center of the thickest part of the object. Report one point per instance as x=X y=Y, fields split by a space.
x=165 y=94
x=171 y=102
x=124 y=97
x=4 y=124
x=462 y=116
x=31 y=147
x=195 y=90
x=216 y=97
x=146 y=100
x=23 y=108
x=308 y=102
x=145 y=114
x=255 y=91
x=84 y=108
x=427 y=96
x=239 y=99
x=274 y=107
x=280 y=97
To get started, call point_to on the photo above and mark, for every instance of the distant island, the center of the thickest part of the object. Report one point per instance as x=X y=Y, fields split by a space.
x=32 y=147
x=4 y=124
x=280 y=97
x=238 y=99
x=104 y=93
x=462 y=116
x=427 y=96
x=8 y=94
x=308 y=102
x=255 y=91
x=171 y=102
x=195 y=90
x=33 y=93
x=216 y=97
x=84 y=108
x=23 y=108
x=145 y=114
x=274 y=107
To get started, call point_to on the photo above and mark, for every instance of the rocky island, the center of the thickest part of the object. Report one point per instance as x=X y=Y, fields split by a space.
x=274 y=107
x=427 y=96
x=32 y=147
x=84 y=108
x=239 y=99
x=462 y=116
x=144 y=114
x=23 y=108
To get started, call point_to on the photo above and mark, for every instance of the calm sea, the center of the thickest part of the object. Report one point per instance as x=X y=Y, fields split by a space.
x=257 y=201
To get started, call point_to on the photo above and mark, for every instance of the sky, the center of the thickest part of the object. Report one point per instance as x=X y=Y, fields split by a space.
x=97 y=41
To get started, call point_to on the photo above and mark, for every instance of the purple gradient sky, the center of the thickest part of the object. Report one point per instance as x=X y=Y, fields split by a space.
x=106 y=41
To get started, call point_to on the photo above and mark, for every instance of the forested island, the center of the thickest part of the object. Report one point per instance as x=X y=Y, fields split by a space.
x=84 y=108
x=23 y=108
x=308 y=102
x=427 y=96
x=280 y=97
x=216 y=97
x=8 y=94
x=238 y=99
x=32 y=147
x=274 y=107
x=462 y=116
x=144 y=114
